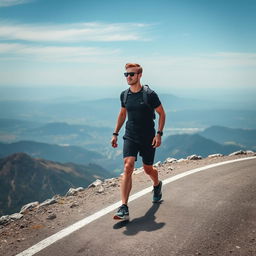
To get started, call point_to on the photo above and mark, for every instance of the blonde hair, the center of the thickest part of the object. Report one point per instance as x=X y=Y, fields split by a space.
x=134 y=65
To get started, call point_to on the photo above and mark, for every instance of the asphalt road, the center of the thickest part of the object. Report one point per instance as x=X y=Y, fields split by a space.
x=207 y=213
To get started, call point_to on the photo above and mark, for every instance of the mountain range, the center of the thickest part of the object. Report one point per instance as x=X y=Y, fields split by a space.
x=52 y=152
x=24 y=179
x=225 y=135
x=181 y=146
x=214 y=139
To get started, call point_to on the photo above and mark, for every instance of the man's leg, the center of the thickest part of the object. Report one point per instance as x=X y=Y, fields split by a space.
x=152 y=172
x=157 y=185
x=126 y=184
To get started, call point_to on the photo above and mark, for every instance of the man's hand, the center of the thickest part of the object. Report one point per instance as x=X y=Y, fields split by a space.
x=156 y=141
x=114 y=141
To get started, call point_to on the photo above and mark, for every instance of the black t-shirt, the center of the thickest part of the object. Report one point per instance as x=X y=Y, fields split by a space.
x=140 y=124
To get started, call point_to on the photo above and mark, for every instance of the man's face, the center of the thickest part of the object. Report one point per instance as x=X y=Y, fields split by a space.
x=131 y=80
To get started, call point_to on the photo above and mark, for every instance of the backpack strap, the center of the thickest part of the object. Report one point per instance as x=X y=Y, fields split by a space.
x=125 y=96
x=147 y=91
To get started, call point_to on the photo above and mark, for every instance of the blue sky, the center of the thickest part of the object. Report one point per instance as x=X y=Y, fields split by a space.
x=180 y=43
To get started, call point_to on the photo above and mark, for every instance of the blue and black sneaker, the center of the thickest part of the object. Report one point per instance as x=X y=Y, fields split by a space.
x=122 y=213
x=157 y=193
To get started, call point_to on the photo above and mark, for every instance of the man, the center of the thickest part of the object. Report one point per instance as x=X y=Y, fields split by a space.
x=140 y=136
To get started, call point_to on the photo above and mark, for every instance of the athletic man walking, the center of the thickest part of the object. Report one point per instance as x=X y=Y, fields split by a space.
x=140 y=103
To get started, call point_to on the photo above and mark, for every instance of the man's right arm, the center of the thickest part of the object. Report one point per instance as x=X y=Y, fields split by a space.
x=120 y=121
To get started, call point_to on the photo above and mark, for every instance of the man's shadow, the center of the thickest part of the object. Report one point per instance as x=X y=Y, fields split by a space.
x=145 y=223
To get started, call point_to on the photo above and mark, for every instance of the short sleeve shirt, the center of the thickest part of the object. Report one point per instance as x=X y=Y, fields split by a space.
x=140 y=124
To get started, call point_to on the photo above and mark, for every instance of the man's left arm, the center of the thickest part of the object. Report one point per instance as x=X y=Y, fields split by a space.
x=161 y=121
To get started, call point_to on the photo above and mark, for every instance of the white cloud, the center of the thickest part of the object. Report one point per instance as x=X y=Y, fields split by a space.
x=7 y=3
x=53 y=53
x=77 y=32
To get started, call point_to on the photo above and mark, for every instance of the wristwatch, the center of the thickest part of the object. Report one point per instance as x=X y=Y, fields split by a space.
x=160 y=133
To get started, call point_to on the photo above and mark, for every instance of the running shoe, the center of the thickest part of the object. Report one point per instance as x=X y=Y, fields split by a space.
x=122 y=213
x=157 y=193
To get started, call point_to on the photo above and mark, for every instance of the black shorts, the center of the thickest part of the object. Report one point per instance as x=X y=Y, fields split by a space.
x=146 y=150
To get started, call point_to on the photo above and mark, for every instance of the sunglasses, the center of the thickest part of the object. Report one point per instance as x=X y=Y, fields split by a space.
x=126 y=74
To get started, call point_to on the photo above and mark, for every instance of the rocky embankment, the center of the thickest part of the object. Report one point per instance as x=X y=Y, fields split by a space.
x=36 y=221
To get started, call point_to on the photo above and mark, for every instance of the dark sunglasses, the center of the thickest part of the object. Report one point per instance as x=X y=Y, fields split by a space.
x=126 y=74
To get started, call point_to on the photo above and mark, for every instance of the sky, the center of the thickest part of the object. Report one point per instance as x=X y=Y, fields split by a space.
x=179 y=43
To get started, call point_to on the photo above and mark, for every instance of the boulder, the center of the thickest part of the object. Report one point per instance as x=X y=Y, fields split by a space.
x=194 y=157
x=48 y=202
x=29 y=206
x=74 y=191
x=249 y=152
x=51 y=216
x=239 y=152
x=4 y=219
x=158 y=164
x=101 y=189
x=16 y=216
x=215 y=155
x=170 y=160
x=113 y=182
x=96 y=183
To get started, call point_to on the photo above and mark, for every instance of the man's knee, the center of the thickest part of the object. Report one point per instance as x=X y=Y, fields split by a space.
x=148 y=169
x=128 y=166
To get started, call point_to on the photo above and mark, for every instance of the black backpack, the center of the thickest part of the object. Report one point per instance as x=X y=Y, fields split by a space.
x=146 y=91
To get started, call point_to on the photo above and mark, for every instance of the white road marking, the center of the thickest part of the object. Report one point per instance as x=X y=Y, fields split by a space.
x=68 y=230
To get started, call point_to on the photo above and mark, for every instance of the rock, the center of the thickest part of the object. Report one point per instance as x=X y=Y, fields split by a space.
x=22 y=226
x=215 y=155
x=101 y=189
x=56 y=197
x=51 y=216
x=194 y=157
x=181 y=160
x=16 y=216
x=249 y=152
x=4 y=219
x=158 y=164
x=74 y=191
x=170 y=160
x=113 y=182
x=239 y=152
x=29 y=206
x=96 y=183
x=74 y=204
x=48 y=202
x=169 y=168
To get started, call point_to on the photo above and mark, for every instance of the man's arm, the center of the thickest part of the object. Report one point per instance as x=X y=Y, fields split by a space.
x=120 y=121
x=157 y=139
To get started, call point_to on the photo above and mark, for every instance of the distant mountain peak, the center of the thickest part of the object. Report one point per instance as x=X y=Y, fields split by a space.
x=19 y=157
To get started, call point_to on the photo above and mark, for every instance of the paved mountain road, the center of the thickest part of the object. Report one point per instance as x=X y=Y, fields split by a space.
x=212 y=212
